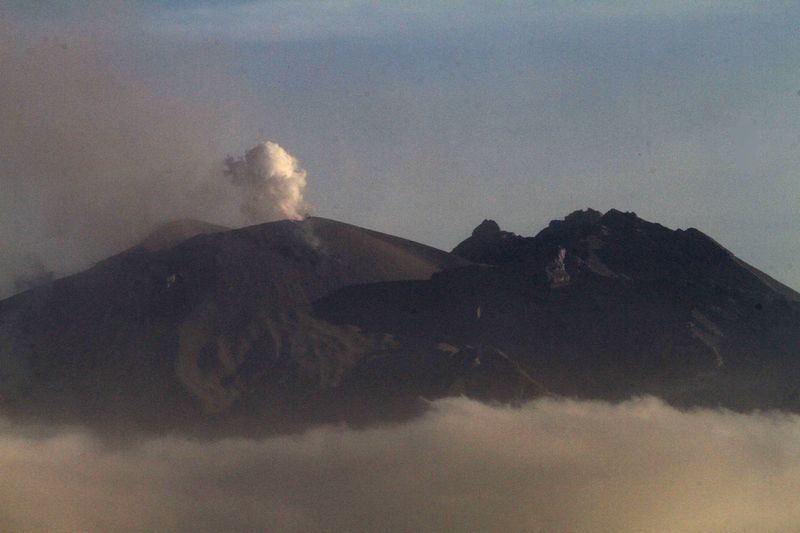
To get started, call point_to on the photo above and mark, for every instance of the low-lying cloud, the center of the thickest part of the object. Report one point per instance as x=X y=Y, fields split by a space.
x=549 y=466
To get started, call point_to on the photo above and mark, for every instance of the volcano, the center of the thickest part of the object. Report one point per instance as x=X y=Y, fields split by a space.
x=271 y=328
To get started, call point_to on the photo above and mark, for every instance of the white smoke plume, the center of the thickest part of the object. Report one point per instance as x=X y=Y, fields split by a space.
x=272 y=183
x=548 y=466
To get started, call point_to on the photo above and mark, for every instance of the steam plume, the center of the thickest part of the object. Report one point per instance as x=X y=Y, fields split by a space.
x=272 y=182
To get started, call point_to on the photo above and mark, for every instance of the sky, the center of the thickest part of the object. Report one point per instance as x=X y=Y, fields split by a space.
x=418 y=119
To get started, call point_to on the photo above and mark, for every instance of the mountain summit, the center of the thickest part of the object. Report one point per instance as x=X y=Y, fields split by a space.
x=273 y=327
x=622 y=245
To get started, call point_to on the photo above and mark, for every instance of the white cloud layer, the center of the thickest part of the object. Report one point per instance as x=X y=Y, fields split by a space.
x=548 y=466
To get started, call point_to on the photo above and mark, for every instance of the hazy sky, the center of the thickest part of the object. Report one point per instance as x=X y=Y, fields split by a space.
x=415 y=118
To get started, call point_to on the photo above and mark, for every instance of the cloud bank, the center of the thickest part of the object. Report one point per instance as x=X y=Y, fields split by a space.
x=548 y=466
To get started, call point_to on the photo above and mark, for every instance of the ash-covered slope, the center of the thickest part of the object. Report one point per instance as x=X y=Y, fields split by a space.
x=163 y=336
x=604 y=306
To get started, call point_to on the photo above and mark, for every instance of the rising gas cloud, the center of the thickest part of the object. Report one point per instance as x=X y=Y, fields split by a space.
x=272 y=183
x=551 y=465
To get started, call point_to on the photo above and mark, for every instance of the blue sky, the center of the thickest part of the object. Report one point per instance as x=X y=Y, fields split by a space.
x=422 y=118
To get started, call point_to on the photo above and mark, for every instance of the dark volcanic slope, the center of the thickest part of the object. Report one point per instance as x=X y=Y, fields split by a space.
x=152 y=337
x=272 y=327
x=605 y=306
x=621 y=244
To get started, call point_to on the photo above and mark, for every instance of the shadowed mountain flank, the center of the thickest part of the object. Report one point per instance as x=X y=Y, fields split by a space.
x=190 y=332
x=605 y=306
x=273 y=327
x=617 y=244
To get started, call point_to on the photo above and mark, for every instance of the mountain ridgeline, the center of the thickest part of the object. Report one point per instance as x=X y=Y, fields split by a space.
x=271 y=328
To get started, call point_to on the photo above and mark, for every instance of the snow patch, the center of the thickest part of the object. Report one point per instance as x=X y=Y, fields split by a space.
x=708 y=333
x=556 y=270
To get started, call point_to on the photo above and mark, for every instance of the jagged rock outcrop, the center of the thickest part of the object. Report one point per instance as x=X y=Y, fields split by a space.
x=488 y=244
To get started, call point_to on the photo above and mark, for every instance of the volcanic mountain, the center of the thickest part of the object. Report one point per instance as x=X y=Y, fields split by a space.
x=273 y=327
